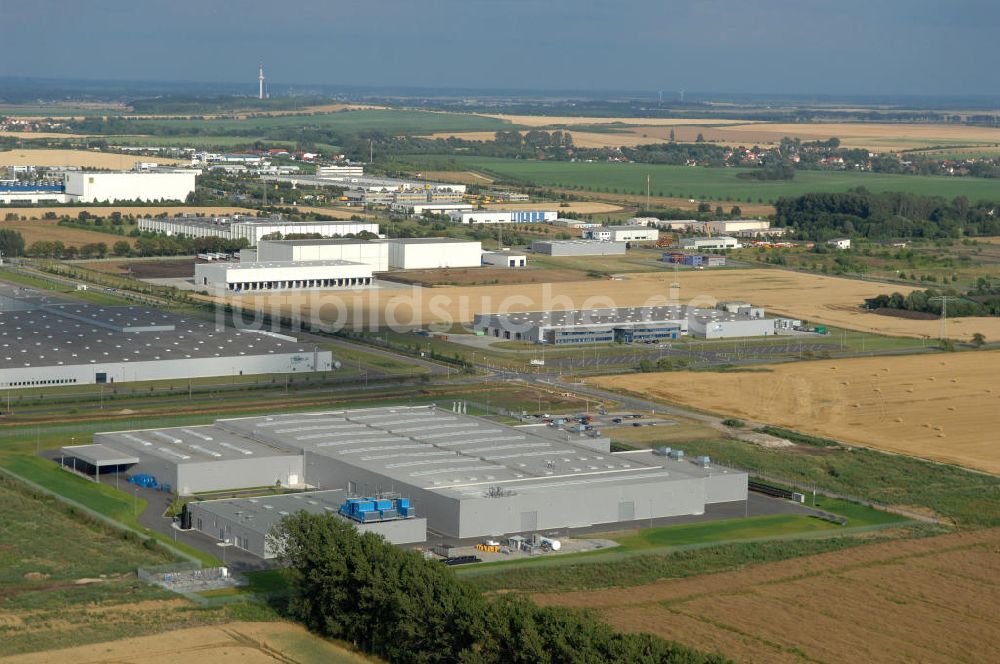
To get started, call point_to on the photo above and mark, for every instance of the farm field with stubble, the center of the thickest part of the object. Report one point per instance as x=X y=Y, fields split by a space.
x=941 y=407
x=814 y=298
x=231 y=643
x=926 y=600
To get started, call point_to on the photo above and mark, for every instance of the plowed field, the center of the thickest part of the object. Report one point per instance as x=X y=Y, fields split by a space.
x=928 y=600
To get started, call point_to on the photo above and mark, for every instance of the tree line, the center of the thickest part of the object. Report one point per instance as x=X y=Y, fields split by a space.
x=982 y=300
x=885 y=215
x=393 y=604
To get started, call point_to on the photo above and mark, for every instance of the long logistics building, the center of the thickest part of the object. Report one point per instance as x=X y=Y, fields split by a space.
x=270 y=276
x=578 y=248
x=253 y=229
x=469 y=477
x=103 y=187
x=628 y=324
x=504 y=216
x=44 y=344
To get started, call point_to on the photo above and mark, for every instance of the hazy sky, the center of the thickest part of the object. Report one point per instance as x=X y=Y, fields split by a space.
x=924 y=47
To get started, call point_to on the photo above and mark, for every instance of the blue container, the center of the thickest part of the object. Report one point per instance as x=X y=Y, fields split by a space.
x=383 y=504
x=403 y=502
x=365 y=506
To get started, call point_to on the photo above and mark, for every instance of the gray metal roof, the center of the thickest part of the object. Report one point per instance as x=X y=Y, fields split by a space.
x=74 y=334
x=609 y=317
x=184 y=445
x=263 y=513
x=99 y=455
x=458 y=455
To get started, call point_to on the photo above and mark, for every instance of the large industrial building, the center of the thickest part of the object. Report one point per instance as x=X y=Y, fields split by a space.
x=252 y=229
x=248 y=523
x=198 y=459
x=270 y=276
x=629 y=324
x=71 y=344
x=93 y=187
x=469 y=477
x=430 y=208
x=578 y=248
x=623 y=234
x=373 y=253
x=16 y=193
x=709 y=243
x=504 y=216
x=433 y=252
x=734 y=226
x=369 y=190
x=90 y=187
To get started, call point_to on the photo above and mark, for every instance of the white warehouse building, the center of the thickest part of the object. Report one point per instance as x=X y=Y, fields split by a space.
x=89 y=187
x=267 y=277
x=504 y=216
x=708 y=243
x=434 y=252
x=86 y=344
x=623 y=234
x=252 y=228
x=374 y=253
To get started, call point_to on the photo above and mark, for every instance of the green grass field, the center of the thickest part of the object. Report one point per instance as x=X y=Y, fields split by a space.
x=762 y=527
x=718 y=183
x=390 y=121
x=42 y=536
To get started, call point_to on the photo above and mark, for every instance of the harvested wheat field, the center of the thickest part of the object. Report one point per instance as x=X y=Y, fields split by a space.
x=815 y=298
x=81 y=158
x=924 y=600
x=50 y=231
x=461 y=177
x=942 y=407
x=884 y=137
x=233 y=643
x=73 y=211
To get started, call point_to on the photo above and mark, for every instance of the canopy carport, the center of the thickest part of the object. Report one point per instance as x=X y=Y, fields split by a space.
x=95 y=456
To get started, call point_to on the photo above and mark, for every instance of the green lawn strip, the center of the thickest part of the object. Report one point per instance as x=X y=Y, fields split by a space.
x=776 y=525
x=607 y=570
x=966 y=497
x=669 y=539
